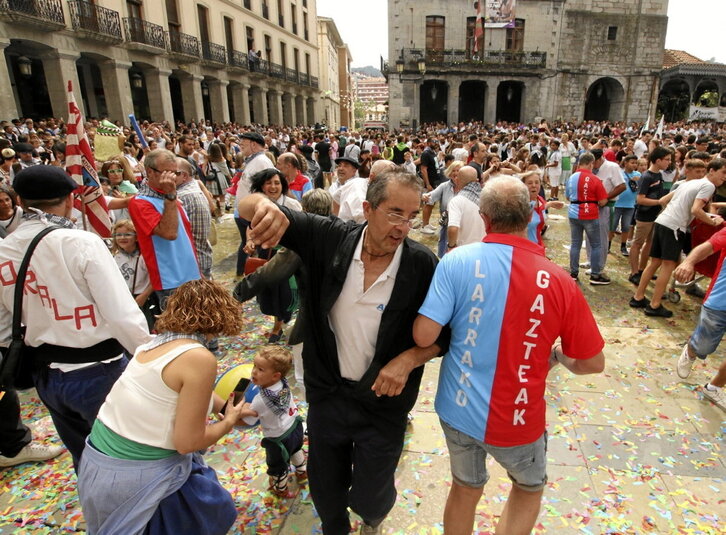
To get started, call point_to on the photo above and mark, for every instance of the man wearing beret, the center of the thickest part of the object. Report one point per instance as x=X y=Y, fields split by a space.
x=78 y=312
x=349 y=191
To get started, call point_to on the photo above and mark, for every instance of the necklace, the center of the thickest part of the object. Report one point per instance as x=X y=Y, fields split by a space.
x=374 y=255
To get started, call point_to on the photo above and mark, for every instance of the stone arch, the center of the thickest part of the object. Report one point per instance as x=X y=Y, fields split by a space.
x=434 y=97
x=472 y=97
x=510 y=96
x=31 y=93
x=703 y=87
x=605 y=100
x=673 y=99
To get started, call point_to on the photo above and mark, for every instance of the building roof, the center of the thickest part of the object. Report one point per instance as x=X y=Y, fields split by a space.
x=671 y=58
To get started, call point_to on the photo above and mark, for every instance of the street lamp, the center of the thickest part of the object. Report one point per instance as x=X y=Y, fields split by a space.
x=422 y=66
x=137 y=82
x=25 y=66
x=205 y=89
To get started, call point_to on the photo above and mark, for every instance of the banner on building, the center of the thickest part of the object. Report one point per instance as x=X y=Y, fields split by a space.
x=498 y=13
x=700 y=113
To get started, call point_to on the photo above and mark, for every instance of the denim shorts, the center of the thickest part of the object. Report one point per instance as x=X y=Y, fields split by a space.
x=526 y=465
x=709 y=331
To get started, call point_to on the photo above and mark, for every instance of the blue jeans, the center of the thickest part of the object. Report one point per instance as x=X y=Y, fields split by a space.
x=442 y=240
x=591 y=227
x=74 y=398
x=709 y=332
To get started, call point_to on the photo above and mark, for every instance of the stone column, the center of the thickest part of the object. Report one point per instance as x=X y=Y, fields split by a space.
x=8 y=105
x=191 y=89
x=60 y=67
x=117 y=90
x=218 y=100
x=241 y=103
x=490 y=107
x=453 y=103
x=300 y=109
x=288 y=110
x=275 y=99
x=312 y=116
x=157 y=89
x=259 y=104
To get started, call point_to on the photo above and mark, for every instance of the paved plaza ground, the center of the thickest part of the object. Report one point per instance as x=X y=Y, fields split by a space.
x=632 y=450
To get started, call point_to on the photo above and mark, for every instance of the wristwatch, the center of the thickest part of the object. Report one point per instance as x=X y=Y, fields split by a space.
x=170 y=196
x=450 y=245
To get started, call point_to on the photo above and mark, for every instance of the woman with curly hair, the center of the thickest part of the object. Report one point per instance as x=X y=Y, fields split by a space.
x=141 y=470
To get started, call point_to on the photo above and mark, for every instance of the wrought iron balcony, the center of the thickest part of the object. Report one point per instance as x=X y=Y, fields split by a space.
x=148 y=35
x=95 y=22
x=314 y=82
x=453 y=60
x=277 y=71
x=40 y=14
x=238 y=60
x=182 y=46
x=213 y=53
x=292 y=75
x=304 y=79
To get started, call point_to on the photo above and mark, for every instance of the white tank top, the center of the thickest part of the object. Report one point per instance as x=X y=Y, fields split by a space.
x=141 y=407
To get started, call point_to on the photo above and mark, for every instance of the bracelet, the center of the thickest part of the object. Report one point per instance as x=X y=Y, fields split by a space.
x=450 y=246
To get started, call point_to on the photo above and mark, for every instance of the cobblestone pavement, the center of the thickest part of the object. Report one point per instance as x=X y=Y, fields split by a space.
x=632 y=450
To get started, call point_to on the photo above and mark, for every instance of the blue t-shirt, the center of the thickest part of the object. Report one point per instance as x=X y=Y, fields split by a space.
x=627 y=198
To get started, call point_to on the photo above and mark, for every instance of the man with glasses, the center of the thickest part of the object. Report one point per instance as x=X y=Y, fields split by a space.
x=362 y=370
x=163 y=229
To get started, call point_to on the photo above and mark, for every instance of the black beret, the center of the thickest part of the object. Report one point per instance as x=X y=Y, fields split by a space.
x=43 y=182
x=351 y=161
x=254 y=136
x=23 y=147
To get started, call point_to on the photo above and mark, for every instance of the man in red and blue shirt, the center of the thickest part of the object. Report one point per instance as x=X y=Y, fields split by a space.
x=712 y=321
x=586 y=195
x=506 y=305
x=162 y=227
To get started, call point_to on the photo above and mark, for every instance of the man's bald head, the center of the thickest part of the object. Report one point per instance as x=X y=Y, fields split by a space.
x=467 y=174
x=378 y=167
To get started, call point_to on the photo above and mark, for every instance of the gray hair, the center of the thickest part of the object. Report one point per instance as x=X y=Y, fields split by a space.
x=317 y=201
x=186 y=165
x=505 y=203
x=380 y=166
x=157 y=156
x=378 y=189
x=586 y=158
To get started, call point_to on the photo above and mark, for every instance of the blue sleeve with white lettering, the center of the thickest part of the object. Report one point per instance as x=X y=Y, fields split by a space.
x=441 y=298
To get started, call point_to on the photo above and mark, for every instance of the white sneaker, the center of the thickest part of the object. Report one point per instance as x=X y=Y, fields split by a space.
x=684 y=364
x=428 y=229
x=718 y=396
x=31 y=452
x=365 y=529
x=585 y=265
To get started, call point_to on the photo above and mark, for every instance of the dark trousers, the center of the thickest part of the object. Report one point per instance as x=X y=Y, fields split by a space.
x=14 y=435
x=276 y=463
x=242 y=226
x=352 y=459
x=74 y=398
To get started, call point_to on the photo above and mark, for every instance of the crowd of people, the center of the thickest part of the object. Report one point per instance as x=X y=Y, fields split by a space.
x=127 y=326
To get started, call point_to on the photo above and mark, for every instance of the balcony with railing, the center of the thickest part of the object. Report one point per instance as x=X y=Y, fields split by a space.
x=237 y=60
x=144 y=35
x=213 y=53
x=304 y=78
x=39 y=14
x=95 y=22
x=454 y=61
x=277 y=71
x=291 y=75
x=182 y=47
x=314 y=82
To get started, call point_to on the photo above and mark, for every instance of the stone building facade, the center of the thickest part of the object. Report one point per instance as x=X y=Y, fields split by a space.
x=570 y=60
x=164 y=60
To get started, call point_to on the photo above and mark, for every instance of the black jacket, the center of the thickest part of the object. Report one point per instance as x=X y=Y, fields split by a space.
x=326 y=247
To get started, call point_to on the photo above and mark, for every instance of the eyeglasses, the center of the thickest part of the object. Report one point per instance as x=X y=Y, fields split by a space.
x=124 y=235
x=114 y=171
x=395 y=219
x=177 y=173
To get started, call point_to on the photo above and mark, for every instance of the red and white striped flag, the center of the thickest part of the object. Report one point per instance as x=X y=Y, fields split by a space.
x=478 y=26
x=81 y=165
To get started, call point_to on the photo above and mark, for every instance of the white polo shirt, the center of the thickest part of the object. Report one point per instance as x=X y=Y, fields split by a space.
x=350 y=197
x=356 y=315
x=464 y=214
